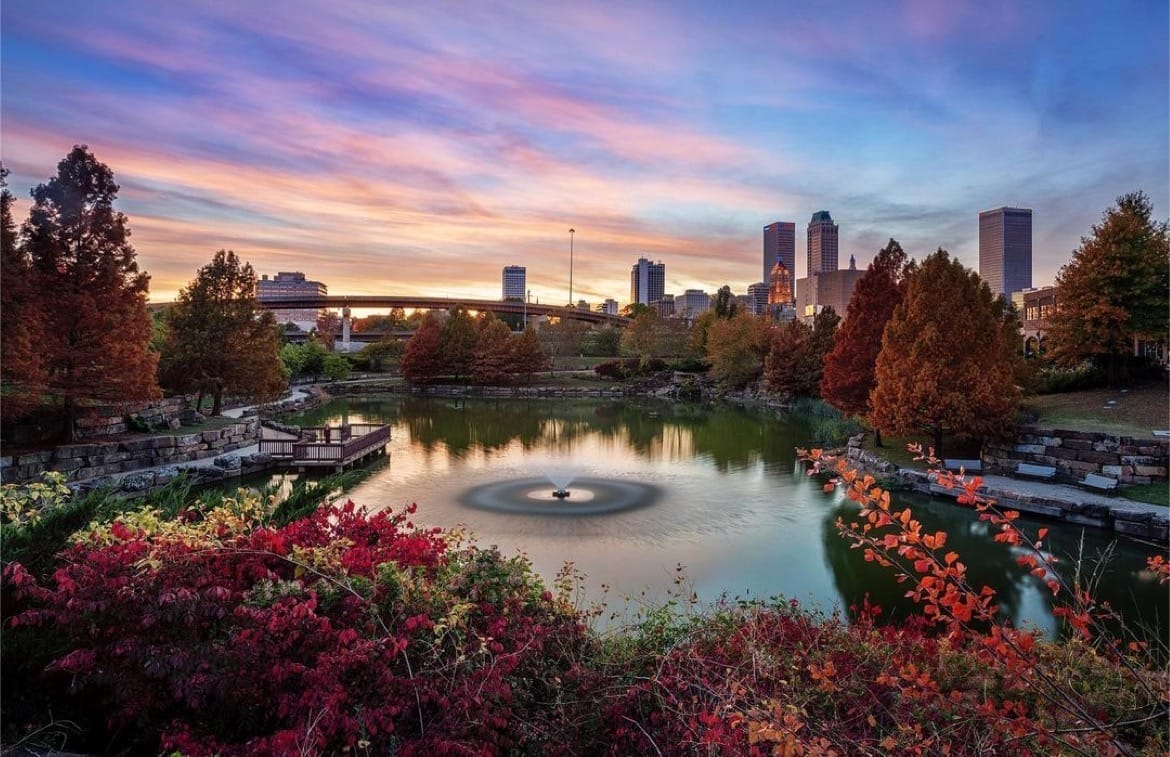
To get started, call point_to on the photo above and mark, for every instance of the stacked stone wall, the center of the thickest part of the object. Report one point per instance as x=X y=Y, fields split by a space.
x=110 y=420
x=1130 y=460
x=103 y=458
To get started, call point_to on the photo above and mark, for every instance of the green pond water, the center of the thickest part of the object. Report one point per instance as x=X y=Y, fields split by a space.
x=730 y=510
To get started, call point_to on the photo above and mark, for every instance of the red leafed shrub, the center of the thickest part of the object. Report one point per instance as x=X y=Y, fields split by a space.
x=338 y=631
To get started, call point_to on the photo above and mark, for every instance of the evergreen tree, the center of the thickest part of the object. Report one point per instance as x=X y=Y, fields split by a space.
x=218 y=340
x=422 y=361
x=946 y=365
x=96 y=327
x=849 y=374
x=725 y=305
x=1115 y=289
x=22 y=369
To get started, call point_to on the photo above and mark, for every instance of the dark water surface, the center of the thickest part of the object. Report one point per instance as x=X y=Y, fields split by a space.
x=730 y=506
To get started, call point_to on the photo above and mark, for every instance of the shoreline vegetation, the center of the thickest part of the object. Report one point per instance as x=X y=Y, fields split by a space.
x=240 y=625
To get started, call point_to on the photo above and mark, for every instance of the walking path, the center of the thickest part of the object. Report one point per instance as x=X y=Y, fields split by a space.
x=1008 y=485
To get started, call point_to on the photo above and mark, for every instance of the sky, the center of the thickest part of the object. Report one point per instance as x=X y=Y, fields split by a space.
x=407 y=148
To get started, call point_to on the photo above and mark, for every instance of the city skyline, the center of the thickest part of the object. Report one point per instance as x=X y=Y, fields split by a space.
x=411 y=149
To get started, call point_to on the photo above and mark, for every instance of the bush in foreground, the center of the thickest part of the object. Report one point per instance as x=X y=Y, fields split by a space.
x=215 y=632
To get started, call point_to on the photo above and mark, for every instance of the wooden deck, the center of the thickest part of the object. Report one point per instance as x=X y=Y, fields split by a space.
x=326 y=446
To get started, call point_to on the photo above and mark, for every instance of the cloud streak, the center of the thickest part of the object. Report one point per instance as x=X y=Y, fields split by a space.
x=413 y=148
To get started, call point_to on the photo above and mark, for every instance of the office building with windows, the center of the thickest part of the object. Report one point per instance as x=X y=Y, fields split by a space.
x=822 y=244
x=758 y=298
x=647 y=281
x=779 y=245
x=515 y=282
x=1005 y=249
x=292 y=284
x=692 y=303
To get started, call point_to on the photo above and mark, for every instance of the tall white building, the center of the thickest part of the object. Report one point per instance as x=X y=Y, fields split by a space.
x=610 y=306
x=647 y=281
x=515 y=282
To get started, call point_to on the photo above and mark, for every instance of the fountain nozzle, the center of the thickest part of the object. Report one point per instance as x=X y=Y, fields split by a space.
x=560 y=493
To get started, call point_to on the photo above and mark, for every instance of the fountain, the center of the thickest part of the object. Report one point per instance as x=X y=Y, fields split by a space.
x=589 y=496
x=561 y=480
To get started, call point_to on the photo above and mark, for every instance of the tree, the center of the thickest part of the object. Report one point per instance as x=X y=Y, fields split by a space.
x=529 y=356
x=458 y=339
x=493 y=358
x=422 y=361
x=22 y=370
x=787 y=368
x=96 y=328
x=563 y=338
x=725 y=305
x=697 y=336
x=381 y=354
x=642 y=335
x=1115 y=289
x=218 y=340
x=849 y=376
x=736 y=348
x=824 y=329
x=944 y=365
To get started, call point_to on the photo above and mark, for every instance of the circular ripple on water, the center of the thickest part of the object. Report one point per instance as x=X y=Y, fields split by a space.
x=588 y=496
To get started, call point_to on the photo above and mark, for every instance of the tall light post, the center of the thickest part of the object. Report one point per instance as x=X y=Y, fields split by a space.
x=571 y=233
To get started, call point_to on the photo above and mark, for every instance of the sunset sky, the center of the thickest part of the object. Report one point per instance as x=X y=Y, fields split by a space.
x=416 y=148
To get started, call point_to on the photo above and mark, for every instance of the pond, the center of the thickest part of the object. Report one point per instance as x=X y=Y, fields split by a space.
x=726 y=509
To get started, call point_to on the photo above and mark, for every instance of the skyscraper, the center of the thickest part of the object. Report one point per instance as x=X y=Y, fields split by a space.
x=515 y=282
x=822 y=243
x=647 y=281
x=780 y=245
x=1005 y=249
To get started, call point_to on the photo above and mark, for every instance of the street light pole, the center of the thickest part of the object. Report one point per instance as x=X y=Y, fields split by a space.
x=571 y=233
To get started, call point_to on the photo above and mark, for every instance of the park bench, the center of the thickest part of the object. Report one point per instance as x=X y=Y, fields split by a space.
x=969 y=466
x=1100 y=483
x=1031 y=470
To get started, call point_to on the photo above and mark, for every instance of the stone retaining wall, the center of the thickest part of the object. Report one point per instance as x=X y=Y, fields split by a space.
x=109 y=420
x=1119 y=516
x=93 y=459
x=1130 y=460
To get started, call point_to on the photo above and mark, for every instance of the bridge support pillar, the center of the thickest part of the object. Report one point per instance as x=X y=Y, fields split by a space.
x=345 y=323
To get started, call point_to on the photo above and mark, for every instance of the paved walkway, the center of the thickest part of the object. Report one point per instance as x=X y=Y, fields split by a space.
x=1067 y=492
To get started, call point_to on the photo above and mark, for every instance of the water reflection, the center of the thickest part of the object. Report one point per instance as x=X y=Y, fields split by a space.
x=734 y=509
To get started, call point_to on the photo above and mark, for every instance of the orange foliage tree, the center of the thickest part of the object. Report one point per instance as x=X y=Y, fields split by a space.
x=968 y=617
x=493 y=358
x=96 y=327
x=849 y=374
x=1115 y=288
x=948 y=362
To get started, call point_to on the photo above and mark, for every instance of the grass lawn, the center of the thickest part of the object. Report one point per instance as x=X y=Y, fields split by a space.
x=1155 y=494
x=1135 y=410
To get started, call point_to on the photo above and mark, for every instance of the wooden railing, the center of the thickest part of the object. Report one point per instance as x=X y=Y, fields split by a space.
x=345 y=443
x=279 y=448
